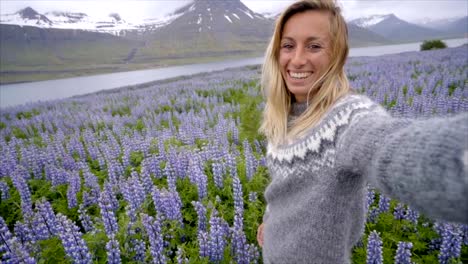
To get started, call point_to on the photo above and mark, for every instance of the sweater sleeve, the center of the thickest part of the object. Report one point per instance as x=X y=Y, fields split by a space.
x=423 y=163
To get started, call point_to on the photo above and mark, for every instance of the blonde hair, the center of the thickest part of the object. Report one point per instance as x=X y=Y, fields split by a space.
x=327 y=89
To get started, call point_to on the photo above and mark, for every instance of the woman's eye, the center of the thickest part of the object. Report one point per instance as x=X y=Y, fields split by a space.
x=314 y=46
x=287 y=46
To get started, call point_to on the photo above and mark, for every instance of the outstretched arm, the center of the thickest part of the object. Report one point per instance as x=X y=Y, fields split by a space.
x=423 y=163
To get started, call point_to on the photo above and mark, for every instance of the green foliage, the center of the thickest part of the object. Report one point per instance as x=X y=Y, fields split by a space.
x=121 y=111
x=28 y=114
x=433 y=44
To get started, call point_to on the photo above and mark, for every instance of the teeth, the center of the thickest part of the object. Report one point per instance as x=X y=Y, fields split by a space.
x=299 y=75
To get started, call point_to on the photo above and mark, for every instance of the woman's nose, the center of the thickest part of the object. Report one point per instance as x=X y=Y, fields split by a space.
x=298 y=58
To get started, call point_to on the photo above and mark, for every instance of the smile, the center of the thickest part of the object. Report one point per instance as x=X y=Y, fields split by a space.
x=299 y=75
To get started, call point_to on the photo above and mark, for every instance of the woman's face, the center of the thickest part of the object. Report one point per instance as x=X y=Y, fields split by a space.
x=304 y=51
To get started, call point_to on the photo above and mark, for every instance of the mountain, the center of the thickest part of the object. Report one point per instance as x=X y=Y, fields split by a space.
x=212 y=28
x=458 y=25
x=393 y=28
x=359 y=36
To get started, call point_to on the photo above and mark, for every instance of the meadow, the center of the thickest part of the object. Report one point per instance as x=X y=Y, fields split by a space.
x=175 y=172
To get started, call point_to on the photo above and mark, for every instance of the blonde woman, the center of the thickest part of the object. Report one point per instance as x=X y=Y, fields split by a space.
x=326 y=143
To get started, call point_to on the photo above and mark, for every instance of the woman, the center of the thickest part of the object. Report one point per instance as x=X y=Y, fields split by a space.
x=326 y=143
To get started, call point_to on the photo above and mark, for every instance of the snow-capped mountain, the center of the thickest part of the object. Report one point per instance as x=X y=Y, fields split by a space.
x=111 y=23
x=369 y=21
x=453 y=25
x=393 y=28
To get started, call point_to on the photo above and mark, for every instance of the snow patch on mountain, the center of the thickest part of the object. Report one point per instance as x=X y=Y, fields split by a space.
x=369 y=21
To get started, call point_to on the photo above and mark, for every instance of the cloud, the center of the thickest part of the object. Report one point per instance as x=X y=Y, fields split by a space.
x=137 y=9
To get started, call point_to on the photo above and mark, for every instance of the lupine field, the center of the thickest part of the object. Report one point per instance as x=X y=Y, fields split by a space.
x=174 y=172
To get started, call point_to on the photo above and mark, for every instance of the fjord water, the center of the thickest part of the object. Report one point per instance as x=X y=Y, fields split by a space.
x=17 y=94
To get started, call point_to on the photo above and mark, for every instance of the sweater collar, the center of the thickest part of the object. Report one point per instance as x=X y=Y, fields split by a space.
x=298 y=108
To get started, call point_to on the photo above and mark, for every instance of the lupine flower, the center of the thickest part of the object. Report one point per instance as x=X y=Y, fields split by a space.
x=238 y=194
x=13 y=251
x=201 y=213
x=369 y=198
x=198 y=178
x=384 y=204
x=74 y=245
x=217 y=240
x=399 y=212
x=451 y=243
x=73 y=189
x=4 y=190
x=403 y=253
x=113 y=251
x=412 y=215
x=203 y=244
x=250 y=161
x=180 y=256
x=44 y=221
x=374 y=249
x=464 y=229
x=139 y=248
x=107 y=213
x=218 y=174
x=252 y=197
x=153 y=229
x=85 y=220
x=18 y=178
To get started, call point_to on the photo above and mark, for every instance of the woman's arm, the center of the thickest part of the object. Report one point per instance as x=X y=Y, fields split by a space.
x=423 y=163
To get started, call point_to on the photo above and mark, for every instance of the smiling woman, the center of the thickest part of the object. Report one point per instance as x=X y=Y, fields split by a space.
x=326 y=143
x=305 y=52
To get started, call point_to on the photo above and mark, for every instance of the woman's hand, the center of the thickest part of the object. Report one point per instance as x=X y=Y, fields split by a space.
x=260 y=235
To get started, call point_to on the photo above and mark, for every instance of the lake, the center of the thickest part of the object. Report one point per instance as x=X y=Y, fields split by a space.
x=17 y=94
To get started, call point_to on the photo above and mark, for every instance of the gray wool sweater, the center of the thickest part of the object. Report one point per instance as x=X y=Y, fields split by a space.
x=316 y=198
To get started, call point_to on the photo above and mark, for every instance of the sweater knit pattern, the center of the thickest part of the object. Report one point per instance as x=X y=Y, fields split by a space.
x=316 y=197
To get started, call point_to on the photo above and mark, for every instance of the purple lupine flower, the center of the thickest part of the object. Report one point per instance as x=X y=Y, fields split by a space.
x=198 y=177
x=24 y=232
x=231 y=164
x=399 y=212
x=139 y=248
x=18 y=177
x=171 y=176
x=369 y=198
x=107 y=213
x=91 y=182
x=110 y=196
x=250 y=160
x=374 y=249
x=217 y=238
x=464 y=229
x=384 y=204
x=218 y=174
x=451 y=243
x=12 y=249
x=238 y=194
x=113 y=251
x=403 y=253
x=153 y=229
x=412 y=215
x=73 y=189
x=85 y=219
x=203 y=244
x=146 y=178
x=180 y=256
x=253 y=197
x=201 y=214
x=4 y=190
x=72 y=241
x=45 y=222
x=168 y=204
x=134 y=194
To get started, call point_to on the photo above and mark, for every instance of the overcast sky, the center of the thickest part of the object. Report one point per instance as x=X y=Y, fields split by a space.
x=410 y=10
